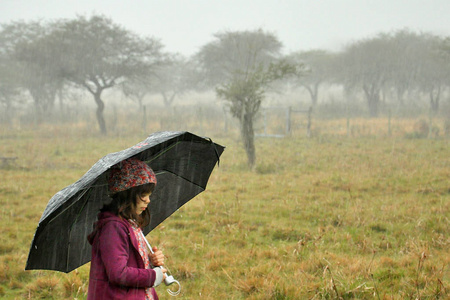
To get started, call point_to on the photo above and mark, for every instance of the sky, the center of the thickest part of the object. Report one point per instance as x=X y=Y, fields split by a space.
x=184 y=26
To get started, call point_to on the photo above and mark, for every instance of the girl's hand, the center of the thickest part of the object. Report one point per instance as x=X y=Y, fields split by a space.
x=156 y=258
x=164 y=272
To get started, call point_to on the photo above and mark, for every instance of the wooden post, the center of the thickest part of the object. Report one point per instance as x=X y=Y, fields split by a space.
x=225 y=119
x=144 y=118
x=265 y=121
x=348 y=119
x=308 y=127
x=288 y=120
x=430 y=123
x=348 y=126
x=115 y=118
x=389 y=123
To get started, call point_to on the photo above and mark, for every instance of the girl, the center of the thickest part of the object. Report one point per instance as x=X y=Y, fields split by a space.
x=121 y=262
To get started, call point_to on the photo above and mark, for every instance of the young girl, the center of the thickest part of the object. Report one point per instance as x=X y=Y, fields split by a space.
x=121 y=262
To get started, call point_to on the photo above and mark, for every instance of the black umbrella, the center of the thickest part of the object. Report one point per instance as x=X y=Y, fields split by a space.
x=182 y=163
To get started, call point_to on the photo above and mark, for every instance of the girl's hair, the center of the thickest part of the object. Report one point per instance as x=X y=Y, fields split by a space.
x=124 y=204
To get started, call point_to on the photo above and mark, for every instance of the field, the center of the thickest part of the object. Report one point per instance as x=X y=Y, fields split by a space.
x=332 y=217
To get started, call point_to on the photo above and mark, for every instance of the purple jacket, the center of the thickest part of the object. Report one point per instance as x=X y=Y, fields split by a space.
x=117 y=269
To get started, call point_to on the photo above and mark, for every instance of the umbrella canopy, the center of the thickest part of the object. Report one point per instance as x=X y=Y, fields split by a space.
x=182 y=163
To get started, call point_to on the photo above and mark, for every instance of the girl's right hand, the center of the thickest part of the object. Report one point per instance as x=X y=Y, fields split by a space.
x=156 y=258
x=164 y=272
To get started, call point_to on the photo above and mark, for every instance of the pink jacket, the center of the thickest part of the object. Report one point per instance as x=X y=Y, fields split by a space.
x=117 y=269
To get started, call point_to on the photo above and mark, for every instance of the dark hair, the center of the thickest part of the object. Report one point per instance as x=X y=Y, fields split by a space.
x=124 y=204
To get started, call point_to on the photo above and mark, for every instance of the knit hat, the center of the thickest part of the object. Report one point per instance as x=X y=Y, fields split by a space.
x=129 y=173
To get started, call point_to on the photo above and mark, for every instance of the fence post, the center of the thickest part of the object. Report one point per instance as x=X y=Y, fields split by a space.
x=225 y=118
x=265 y=121
x=430 y=123
x=288 y=120
x=348 y=125
x=308 y=127
x=144 y=118
x=347 y=112
x=115 y=119
x=389 y=123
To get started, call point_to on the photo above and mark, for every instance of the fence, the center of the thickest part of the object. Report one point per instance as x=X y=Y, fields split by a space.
x=271 y=122
x=288 y=115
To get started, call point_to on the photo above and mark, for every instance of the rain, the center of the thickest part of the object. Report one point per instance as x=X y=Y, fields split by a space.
x=333 y=118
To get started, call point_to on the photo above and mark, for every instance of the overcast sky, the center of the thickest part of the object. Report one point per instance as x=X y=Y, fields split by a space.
x=185 y=25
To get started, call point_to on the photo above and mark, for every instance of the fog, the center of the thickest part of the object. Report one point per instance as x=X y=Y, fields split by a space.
x=346 y=59
x=184 y=26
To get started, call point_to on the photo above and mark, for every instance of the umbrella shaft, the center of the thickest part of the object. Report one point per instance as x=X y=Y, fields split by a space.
x=146 y=241
x=169 y=279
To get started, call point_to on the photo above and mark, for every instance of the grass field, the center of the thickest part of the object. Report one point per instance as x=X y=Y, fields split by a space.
x=332 y=217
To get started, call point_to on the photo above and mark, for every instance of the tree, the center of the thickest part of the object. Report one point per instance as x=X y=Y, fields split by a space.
x=97 y=54
x=31 y=62
x=8 y=89
x=403 y=57
x=401 y=61
x=433 y=70
x=319 y=66
x=364 y=66
x=414 y=62
x=242 y=64
x=171 y=78
x=174 y=79
x=136 y=89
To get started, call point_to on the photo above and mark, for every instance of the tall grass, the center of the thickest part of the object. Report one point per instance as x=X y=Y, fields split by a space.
x=332 y=217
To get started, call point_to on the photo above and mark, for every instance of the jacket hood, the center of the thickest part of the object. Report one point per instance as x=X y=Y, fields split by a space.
x=103 y=218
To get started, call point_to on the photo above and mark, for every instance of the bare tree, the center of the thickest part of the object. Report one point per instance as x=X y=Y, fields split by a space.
x=319 y=69
x=401 y=61
x=175 y=78
x=9 y=90
x=242 y=64
x=97 y=54
x=364 y=66
x=433 y=74
x=31 y=63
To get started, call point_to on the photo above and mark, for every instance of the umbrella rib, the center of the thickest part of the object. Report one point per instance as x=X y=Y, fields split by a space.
x=188 y=180
x=161 y=153
x=215 y=150
x=169 y=148
x=73 y=203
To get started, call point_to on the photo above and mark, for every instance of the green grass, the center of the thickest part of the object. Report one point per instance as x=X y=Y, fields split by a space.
x=321 y=218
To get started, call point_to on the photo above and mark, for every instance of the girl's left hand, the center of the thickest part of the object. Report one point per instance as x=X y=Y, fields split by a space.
x=156 y=258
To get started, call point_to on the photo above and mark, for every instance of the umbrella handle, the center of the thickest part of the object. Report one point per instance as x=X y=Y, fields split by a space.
x=169 y=279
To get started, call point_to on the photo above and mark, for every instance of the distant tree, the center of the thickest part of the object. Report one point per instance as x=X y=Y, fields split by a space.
x=414 y=62
x=97 y=54
x=319 y=69
x=404 y=50
x=9 y=90
x=401 y=61
x=175 y=78
x=31 y=63
x=242 y=64
x=136 y=90
x=364 y=66
x=171 y=78
x=433 y=74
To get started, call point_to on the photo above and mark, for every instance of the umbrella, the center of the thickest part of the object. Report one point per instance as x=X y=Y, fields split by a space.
x=182 y=163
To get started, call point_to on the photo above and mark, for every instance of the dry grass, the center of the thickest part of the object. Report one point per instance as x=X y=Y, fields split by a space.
x=323 y=218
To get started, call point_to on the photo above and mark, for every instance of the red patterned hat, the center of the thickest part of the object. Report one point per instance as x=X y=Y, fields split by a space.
x=129 y=173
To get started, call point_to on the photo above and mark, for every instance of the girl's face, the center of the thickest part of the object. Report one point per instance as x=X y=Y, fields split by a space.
x=142 y=201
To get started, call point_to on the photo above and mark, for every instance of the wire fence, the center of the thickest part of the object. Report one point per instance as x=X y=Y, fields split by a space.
x=270 y=122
